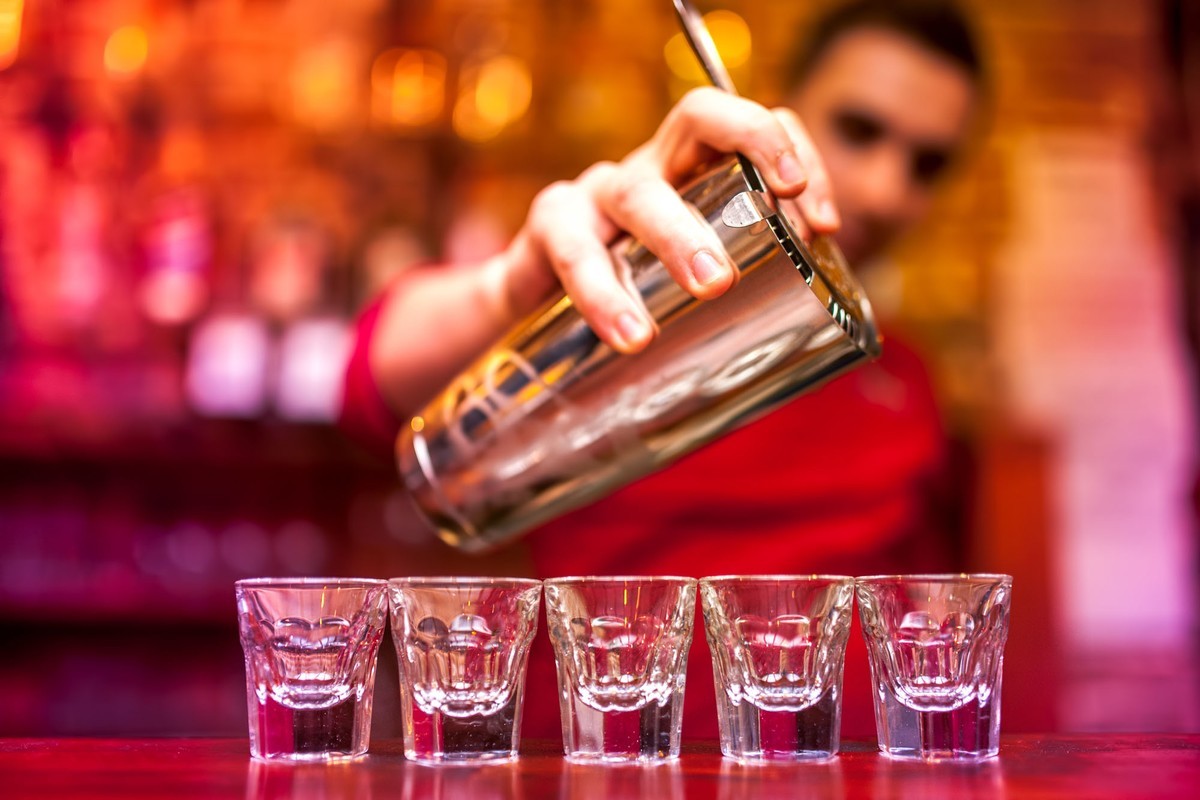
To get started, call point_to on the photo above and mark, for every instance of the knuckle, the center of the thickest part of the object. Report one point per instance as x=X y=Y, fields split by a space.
x=552 y=197
x=788 y=118
x=766 y=130
x=567 y=255
x=627 y=193
x=693 y=97
x=598 y=173
x=691 y=105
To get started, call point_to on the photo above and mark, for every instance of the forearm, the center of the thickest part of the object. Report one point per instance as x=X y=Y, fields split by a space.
x=432 y=326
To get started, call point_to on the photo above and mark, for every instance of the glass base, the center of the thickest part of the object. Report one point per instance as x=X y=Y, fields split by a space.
x=308 y=758
x=340 y=732
x=461 y=759
x=938 y=756
x=751 y=735
x=753 y=759
x=968 y=734
x=438 y=738
x=647 y=735
x=620 y=758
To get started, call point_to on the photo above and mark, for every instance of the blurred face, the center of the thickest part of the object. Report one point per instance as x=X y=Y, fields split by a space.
x=887 y=115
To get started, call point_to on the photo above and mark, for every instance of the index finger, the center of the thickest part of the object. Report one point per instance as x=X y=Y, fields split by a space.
x=708 y=121
x=817 y=200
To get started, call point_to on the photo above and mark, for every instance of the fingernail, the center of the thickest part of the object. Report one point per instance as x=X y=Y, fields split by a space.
x=631 y=328
x=789 y=168
x=706 y=269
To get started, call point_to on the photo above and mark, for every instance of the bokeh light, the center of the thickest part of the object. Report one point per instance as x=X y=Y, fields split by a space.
x=492 y=96
x=10 y=31
x=126 y=50
x=323 y=85
x=408 y=87
x=730 y=34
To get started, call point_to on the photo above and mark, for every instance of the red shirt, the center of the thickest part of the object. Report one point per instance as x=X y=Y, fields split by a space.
x=842 y=480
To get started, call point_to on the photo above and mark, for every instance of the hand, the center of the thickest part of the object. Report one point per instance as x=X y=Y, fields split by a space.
x=570 y=223
x=565 y=242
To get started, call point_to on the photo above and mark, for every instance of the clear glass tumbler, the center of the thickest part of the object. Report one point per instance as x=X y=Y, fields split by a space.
x=620 y=644
x=311 y=647
x=778 y=644
x=936 y=646
x=463 y=647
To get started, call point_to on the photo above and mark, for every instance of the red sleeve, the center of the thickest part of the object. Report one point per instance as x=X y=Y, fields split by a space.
x=365 y=416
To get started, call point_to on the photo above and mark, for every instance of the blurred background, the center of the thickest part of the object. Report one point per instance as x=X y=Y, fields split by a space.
x=196 y=196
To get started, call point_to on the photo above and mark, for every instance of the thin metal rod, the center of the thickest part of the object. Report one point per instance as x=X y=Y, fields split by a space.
x=701 y=41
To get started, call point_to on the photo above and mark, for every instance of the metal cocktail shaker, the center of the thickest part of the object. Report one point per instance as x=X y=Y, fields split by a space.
x=551 y=418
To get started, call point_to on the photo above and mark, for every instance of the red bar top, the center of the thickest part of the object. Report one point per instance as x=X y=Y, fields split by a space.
x=1092 y=766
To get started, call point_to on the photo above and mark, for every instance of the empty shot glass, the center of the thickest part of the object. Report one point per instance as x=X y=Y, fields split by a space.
x=310 y=647
x=936 y=647
x=620 y=646
x=778 y=645
x=463 y=647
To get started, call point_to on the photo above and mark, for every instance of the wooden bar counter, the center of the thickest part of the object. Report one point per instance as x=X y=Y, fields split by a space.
x=1030 y=766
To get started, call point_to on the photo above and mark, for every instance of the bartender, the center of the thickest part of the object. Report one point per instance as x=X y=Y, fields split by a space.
x=844 y=480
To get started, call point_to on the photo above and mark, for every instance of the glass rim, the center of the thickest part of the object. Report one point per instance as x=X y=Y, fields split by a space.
x=435 y=581
x=583 y=580
x=779 y=578
x=309 y=583
x=937 y=577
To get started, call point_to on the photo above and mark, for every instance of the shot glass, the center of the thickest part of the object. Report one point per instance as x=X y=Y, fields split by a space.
x=463 y=646
x=778 y=644
x=936 y=647
x=311 y=647
x=620 y=645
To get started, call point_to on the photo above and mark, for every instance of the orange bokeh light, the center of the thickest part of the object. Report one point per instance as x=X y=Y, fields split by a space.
x=10 y=31
x=408 y=87
x=730 y=35
x=492 y=95
x=126 y=50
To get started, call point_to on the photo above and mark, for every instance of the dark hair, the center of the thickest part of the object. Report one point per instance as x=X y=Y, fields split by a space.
x=937 y=25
